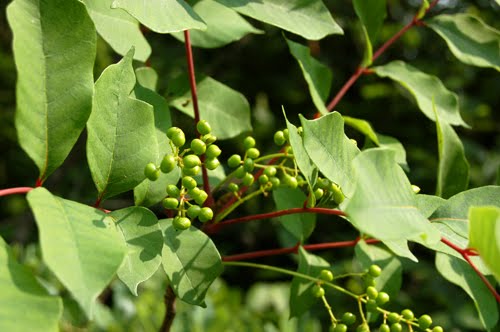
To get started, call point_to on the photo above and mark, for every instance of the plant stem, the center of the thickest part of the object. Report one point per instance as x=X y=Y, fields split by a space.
x=238 y=203
x=170 y=310
x=13 y=191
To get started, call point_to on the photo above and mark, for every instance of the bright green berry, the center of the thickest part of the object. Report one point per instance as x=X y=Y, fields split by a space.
x=191 y=171
x=263 y=179
x=286 y=134
x=203 y=127
x=206 y=214
x=151 y=172
x=369 y=280
x=172 y=131
x=318 y=193
x=437 y=329
x=193 y=211
x=248 y=164
x=208 y=139
x=178 y=138
x=326 y=275
x=424 y=321
x=213 y=151
x=337 y=194
x=191 y=161
x=212 y=163
x=382 y=298
x=168 y=163
x=318 y=291
x=371 y=292
x=195 y=192
x=173 y=191
x=248 y=142
x=384 y=328
x=275 y=182
x=253 y=153
x=323 y=183
x=181 y=223
x=240 y=172
x=170 y=203
x=374 y=270
x=371 y=305
x=188 y=182
x=340 y=328
x=290 y=181
x=201 y=197
x=234 y=161
x=393 y=317
x=407 y=314
x=198 y=146
x=396 y=327
x=233 y=187
x=279 y=138
x=363 y=328
x=348 y=318
x=247 y=179
x=270 y=171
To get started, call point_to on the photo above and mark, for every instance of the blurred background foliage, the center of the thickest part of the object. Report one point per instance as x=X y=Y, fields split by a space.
x=260 y=67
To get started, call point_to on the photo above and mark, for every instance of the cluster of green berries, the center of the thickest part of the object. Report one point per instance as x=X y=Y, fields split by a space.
x=187 y=198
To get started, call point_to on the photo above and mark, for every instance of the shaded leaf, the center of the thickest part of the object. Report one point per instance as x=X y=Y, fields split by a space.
x=21 y=290
x=362 y=126
x=54 y=76
x=227 y=110
x=146 y=77
x=224 y=26
x=120 y=30
x=460 y=273
x=162 y=16
x=484 y=235
x=300 y=225
x=317 y=75
x=372 y=15
x=307 y=18
x=469 y=39
x=426 y=89
x=121 y=133
x=144 y=239
x=191 y=262
x=93 y=247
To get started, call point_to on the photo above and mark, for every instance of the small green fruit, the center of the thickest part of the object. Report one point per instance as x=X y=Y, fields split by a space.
x=393 y=317
x=173 y=191
x=337 y=194
x=248 y=164
x=233 y=187
x=248 y=142
x=168 y=163
x=371 y=305
x=326 y=275
x=234 y=161
x=170 y=203
x=384 y=328
x=203 y=127
x=181 y=223
x=212 y=163
x=396 y=327
x=318 y=291
x=172 y=131
x=191 y=161
x=348 y=318
x=263 y=179
x=188 y=182
x=424 y=321
x=191 y=171
x=178 y=138
x=247 y=179
x=253 y=153
x=193 y=211
x=275 y=182
x=151 y=172
x=208 y=139
x=371 y=292
x=270 y=171
x=198 y=146
x=374 y=270
x=407 y=314
x=240 y=172
x=340 y=328
x=437 y=329
x=290 y=181
x=201 y=197
x=213 y=151
x=206 y=214
x=382 y=298
x=318 y=193
x=279 y=138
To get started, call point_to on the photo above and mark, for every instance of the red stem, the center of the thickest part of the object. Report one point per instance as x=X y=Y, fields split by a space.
x=13 y=191
x=466 y=254
x=194 y=97
x=344 y=89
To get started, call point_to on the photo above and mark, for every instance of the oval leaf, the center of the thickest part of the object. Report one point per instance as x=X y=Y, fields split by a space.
x=54 y=77
x=93 y=247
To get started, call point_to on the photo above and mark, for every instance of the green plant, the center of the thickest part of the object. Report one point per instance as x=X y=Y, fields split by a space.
x=315 y=169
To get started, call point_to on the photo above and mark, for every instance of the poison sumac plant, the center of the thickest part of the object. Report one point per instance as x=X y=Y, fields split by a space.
x=131 y=145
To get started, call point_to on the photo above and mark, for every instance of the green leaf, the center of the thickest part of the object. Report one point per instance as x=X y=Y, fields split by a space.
x=393 y=144
x=191 y=262
x=121 y=133
x=307 y=18
x=460 y=273
x=317 y=75
x=427 y=204
x=146 y=77
x=54 y=77
x=224 y=26
x=453 y=171
x=426 y=89
x=80 y=244
x=362 y=126
x=383 y=204
x=24 y=305
x=300 y=225
x=372 y=15
x=120 y=30
x=469 y=39
x=162 y=16
x=144 y=242
x=400 y=248
x=484 y=235
x=301 y=296
x=227 y=110
x=330 y=149
x=151 y=192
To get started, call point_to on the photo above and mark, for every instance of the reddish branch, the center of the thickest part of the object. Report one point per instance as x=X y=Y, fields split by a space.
x=13 y=191
x=467 y=253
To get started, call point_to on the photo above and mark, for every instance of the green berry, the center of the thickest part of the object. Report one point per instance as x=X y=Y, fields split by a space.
x=275 y=182
x=374 y=270
x=263 y=179
x=212 y=163
x=318 y=193
x=338 y=196
x=206 y=214
x=193 y=211
x=348 y=318
x=240 y=172
x=270 y=171
x=208 y=139
x=340 y=328
x=407 y=314
x=247 y=179
x=371 y=305
x=203 y=127
x=173 y=191
x=318 y=291
x=191 y=171
x=396 y=327
x=323 y=183
x=151 y=172
x=279 y=138
x=168 y=163
x=382 y=298
x=437 y=329
x=178 y=139
x=253 y=153
x=286 y=134
x=191 y=161
x=213 y=151
x=234 y=161
x=172 y=131
x=371 y=292
x=363 y=328
x=188 y=182
x=248 y=142
x=290 y=181
x=326 y=275
x=248 y=164
x=384 y=328
x=194 y=193
x=170 y=203
x=369 y=281
x=288 y=150
x=393 y=317
x=181 y=223
x=198 y=146
x=233 y=187
x=424 y=321
x=201 y=197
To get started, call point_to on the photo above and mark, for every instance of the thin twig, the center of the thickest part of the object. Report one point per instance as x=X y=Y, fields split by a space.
x=170 y=310
x=13 y=191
